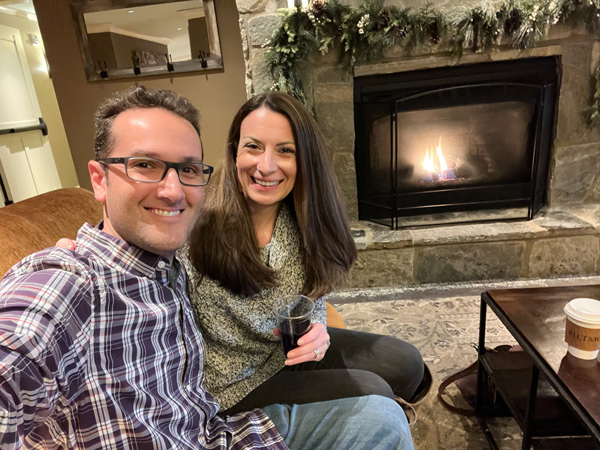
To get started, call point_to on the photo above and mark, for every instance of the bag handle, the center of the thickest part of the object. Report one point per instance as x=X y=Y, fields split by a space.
x=410 y=408
x=448 y=381
x=471 y=369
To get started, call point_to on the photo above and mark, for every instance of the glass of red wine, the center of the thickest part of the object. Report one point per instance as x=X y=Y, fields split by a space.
x=293 y=313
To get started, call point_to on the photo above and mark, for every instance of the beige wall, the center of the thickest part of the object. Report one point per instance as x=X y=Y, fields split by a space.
x=44 y=90
x=217 y=95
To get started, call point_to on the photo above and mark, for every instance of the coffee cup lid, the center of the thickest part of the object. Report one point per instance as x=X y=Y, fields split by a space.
x=584 y=309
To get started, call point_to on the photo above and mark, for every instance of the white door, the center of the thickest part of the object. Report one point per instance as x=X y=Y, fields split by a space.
x=26 y=162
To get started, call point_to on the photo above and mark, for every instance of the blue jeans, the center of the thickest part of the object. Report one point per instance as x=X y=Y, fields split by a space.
x=370 y=423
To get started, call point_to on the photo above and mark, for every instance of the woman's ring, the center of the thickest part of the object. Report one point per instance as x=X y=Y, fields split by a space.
x=328 y=344
x=316 y=353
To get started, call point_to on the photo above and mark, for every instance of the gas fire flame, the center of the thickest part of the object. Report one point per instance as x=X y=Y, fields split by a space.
x=440 y=170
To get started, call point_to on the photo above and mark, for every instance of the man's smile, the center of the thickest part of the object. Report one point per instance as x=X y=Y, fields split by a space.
x=164 y=212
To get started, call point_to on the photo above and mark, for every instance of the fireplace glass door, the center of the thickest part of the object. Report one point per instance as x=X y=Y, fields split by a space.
x=447 y=142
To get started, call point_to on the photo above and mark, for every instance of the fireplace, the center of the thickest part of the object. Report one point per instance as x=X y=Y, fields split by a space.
x=442 y=143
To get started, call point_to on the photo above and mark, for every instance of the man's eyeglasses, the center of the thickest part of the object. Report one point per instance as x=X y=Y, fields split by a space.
x=150 y=170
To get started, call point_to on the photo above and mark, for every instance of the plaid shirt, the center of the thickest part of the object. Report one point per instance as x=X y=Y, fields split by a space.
x=99 y=350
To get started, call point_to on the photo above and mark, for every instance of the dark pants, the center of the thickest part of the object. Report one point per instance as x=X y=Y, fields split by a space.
x=356 y=364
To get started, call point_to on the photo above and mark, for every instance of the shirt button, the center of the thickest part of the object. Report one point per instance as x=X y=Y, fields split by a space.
x=161 y=264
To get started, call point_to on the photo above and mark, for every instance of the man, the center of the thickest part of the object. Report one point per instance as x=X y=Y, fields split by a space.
x=98 y=344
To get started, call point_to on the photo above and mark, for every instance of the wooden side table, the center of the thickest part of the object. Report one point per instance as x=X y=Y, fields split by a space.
x=550 y=393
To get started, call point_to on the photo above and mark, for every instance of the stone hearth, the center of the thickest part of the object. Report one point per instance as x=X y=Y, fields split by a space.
x=563 y=239
x=559 y=241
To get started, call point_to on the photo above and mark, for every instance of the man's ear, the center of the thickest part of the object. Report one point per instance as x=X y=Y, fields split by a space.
x=98 y=176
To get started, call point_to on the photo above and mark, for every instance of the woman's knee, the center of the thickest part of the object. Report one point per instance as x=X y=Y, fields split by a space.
x=399 y=362
x=409 y=376
x=414 y=361
x=365 y=383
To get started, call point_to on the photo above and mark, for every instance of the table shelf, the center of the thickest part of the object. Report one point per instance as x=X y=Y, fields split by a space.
x=511 y=374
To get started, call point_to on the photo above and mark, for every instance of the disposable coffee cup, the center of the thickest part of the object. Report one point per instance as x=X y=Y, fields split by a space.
x=582 y=331
x=293 y=314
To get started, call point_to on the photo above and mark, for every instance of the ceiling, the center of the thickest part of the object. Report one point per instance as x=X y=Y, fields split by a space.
x=166 y=23
x=167 y=20
x=18 y=6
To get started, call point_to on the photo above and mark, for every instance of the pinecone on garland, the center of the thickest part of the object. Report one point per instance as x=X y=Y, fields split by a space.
x=400 y=32
x=318 y=6
x=384 y=18
x=433 y=31
x=513 y=22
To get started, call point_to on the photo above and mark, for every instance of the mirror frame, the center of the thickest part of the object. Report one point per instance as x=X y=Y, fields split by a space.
x=80 y=7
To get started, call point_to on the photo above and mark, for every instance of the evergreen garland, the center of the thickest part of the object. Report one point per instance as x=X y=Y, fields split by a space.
x=363 y=34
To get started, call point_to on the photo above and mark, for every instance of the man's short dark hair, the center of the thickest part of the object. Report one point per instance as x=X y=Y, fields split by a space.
x=138 y=97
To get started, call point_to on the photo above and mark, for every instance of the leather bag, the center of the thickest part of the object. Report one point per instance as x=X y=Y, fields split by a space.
x=466 y=382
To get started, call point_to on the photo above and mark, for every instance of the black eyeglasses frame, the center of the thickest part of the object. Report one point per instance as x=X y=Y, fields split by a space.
x=208 y=170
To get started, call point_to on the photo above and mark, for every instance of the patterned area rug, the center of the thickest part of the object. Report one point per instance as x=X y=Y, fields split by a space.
x=444 y=327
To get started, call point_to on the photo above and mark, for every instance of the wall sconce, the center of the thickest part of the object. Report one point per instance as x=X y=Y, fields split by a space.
x=170 y=66
x=103 y=72
x=136 y=65
x=35 y=40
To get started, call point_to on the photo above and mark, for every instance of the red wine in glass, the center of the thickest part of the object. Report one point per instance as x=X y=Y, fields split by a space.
x=292 y=313
x=291 y=331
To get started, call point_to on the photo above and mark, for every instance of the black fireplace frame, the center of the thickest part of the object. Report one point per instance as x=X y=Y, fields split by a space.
x=538 y=77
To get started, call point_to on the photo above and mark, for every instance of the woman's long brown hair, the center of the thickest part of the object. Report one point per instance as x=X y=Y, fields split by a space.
x=223 y=243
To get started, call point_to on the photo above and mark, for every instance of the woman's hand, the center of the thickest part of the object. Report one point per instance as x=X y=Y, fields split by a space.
x=65 y=243
x=312 y=346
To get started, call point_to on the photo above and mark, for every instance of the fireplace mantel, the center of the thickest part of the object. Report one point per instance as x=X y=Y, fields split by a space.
x=433 y=61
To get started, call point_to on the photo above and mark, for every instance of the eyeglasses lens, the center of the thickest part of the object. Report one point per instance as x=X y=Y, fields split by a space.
x=152 y=170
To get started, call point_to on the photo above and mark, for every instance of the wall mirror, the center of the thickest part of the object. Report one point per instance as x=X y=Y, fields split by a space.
x=136 y=38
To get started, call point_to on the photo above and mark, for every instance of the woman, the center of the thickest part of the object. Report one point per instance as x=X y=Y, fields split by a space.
x=272 y=224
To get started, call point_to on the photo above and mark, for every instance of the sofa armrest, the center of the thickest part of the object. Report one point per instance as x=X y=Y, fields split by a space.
x=334 y=319
x=38 y=222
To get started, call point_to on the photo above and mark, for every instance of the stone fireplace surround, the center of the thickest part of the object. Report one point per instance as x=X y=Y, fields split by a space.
x=563 y=239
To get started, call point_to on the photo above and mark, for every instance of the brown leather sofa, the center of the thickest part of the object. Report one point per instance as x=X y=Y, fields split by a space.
x=38 y=222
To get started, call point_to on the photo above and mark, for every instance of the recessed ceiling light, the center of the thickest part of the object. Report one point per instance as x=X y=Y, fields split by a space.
x=179 y=29
x=131 y=11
